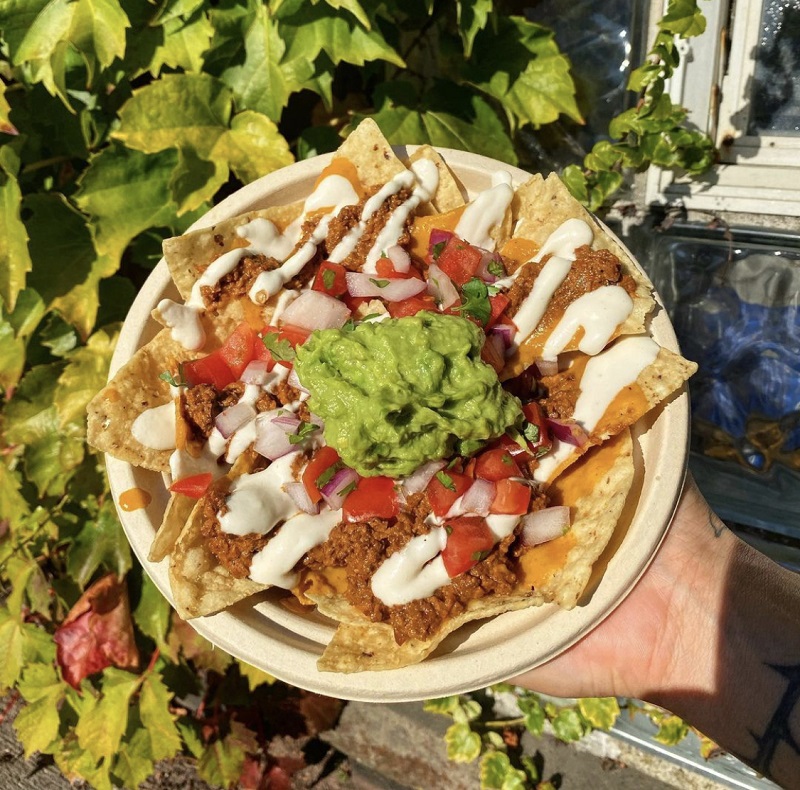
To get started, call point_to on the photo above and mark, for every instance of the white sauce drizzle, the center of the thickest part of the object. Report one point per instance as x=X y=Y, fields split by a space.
x=273 y=564
x=486 y=212
x=534 y=305
x=603 y=379
x=598 y=312
x=501 y=526
x=155 y=428
x=415 y=571
x=257 y=502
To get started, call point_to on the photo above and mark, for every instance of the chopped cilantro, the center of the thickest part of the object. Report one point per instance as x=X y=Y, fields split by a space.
x=328 y=474
x=348 y=488
x=446 y=481
x=328 y=278
x=448 y=529
x=303 y=432
x=281 y=350
x=496 y=268
x=517 y=437
x=506 y=459
x=531 y=432
x=436 y=251
x=475 y=296
x=180 y=381
x=349 y=325
x=379 y=283
x=370 y=316
x=477 y=556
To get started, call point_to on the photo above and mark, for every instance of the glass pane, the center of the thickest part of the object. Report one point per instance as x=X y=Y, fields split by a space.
x=776 y=84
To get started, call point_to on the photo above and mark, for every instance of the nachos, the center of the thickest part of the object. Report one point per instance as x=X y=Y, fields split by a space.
x=404 y=407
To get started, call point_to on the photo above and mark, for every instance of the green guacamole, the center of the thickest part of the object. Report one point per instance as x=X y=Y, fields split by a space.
x=399 y=392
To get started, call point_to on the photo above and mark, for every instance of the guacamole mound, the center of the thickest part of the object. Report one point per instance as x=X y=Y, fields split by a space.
x=399 y=392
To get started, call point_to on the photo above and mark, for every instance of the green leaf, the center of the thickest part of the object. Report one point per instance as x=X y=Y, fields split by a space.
x=444 y=705
x=671 y=729
x=600 y=712
x=13 y=506
x=195 y=181
x=254 y=147
x=158 y=722
x=471 y=17
x=102 y=724
x=463 y=745
x=311 y=29
x=497 y=773
x=185 y=43
x=533 y=712
x=75 y=762
x=152 y=615
x=222 y=760
x=353 y=6
x=683 y=18
x=98 y=32
x=51 y=452
x=38 y=722
x=568 y=725
x=446 y=115
x=101 y=542
x=12 y=360
x=134 y=764
x=255 y=677
x=84 y=376
x=15 y=261
x=531 y=79
x=21 y=645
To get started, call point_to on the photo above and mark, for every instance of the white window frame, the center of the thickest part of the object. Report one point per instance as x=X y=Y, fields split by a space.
x=756 y=174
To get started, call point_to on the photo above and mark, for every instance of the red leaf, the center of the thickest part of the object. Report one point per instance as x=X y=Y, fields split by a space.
x=97 y=633
x=252 y=773
x=278 y=778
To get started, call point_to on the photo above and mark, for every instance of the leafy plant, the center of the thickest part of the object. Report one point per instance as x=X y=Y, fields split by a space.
x=121 y=122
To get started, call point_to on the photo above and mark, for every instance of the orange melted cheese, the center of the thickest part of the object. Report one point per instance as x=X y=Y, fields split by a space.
x=342 y=166
x=134 y=499
x=422 y=227
x=519 y=251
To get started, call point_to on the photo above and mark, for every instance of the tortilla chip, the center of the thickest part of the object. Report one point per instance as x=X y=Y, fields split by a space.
x=360 y=645
x=370 y=153
x=177 y=513
x=449 y=194
x=540 y=206
x=135 y=388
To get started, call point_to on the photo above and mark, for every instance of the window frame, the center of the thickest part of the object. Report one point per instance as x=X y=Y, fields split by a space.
x=756 y=174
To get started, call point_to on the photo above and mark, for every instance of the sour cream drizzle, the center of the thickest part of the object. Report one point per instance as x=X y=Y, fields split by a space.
x=415 y=571
x=486 y=212
x=257 y=502
x=155 y=428
x=603 y=379
x=598 y=313
x=273 y=564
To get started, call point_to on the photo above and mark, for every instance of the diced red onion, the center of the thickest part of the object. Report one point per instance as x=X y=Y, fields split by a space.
x=271 y=440
x=476 y=500
x=332 y=490
x=422 y=475
x=256 y=372
x=505 y=332
x=544 y=525
x=437 y=237
x=316 y=310
x=441 y=287
x=390 y=289
x=234 y=417
x=546 y=367
x=293 y=380
x=483 y=267
x=568 y=431
x=496 y=341
x=400 y=259
x=298 y=494
x=289 y=423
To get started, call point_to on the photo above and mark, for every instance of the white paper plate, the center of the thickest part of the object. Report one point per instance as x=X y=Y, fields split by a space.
x=267 y=635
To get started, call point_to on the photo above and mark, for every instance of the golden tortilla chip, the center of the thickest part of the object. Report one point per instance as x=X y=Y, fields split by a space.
x=449 y=194
x=540 y=206
x=177 y=513
x=370 y=152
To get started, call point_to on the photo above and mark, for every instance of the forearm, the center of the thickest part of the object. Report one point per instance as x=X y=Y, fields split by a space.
x=740 y=678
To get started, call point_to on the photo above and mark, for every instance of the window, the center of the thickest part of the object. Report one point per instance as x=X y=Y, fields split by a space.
x=740 y=81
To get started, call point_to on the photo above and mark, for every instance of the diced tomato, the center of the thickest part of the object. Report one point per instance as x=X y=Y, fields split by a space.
x=385 y=268
x=541 y=441
x=294 y=334
x=211 y=369
x=330 y=279
x=239 y=349
x=469 y=469
x=373 y=497
x=467 y=540
x=497 y=303
x=411 y=306
x=323 y=460
x=194 y=486
x=441 y=495
x=512 y=447
x=492 y=355
x=459 y=260
x=511 y=498
x=354 y=302
x=496 y=464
